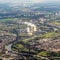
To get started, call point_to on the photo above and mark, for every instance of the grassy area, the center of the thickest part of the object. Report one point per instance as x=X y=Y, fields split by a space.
x=6 y=20
x=30 y=39
x=56 y=22
x=19 y=47
x=50 y=35
x=43 y=53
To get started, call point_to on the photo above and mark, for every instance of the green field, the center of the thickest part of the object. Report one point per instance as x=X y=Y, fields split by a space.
x=56 y=22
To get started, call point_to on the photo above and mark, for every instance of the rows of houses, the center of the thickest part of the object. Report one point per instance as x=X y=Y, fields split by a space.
x=46 y=44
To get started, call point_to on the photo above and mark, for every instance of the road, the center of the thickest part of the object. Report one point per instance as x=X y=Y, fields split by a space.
x=8 y=47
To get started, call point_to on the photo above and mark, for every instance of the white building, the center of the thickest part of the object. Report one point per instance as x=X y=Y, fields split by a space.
x=26 y=29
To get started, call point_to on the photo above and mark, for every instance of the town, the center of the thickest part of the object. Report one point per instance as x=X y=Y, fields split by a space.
x=29 y=32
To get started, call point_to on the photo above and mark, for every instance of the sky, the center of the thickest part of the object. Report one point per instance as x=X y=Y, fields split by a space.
x=33 y=1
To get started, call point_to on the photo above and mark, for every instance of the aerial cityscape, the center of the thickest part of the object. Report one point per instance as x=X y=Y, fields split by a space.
x=30 y=30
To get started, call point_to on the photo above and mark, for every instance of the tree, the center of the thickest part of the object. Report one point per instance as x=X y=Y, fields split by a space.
x=44 y=53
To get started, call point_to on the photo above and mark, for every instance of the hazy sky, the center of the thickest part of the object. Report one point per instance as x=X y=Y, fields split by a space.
x=17 y=1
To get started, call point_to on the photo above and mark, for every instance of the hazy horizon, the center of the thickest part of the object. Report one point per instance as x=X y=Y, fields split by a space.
x=27 y=1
